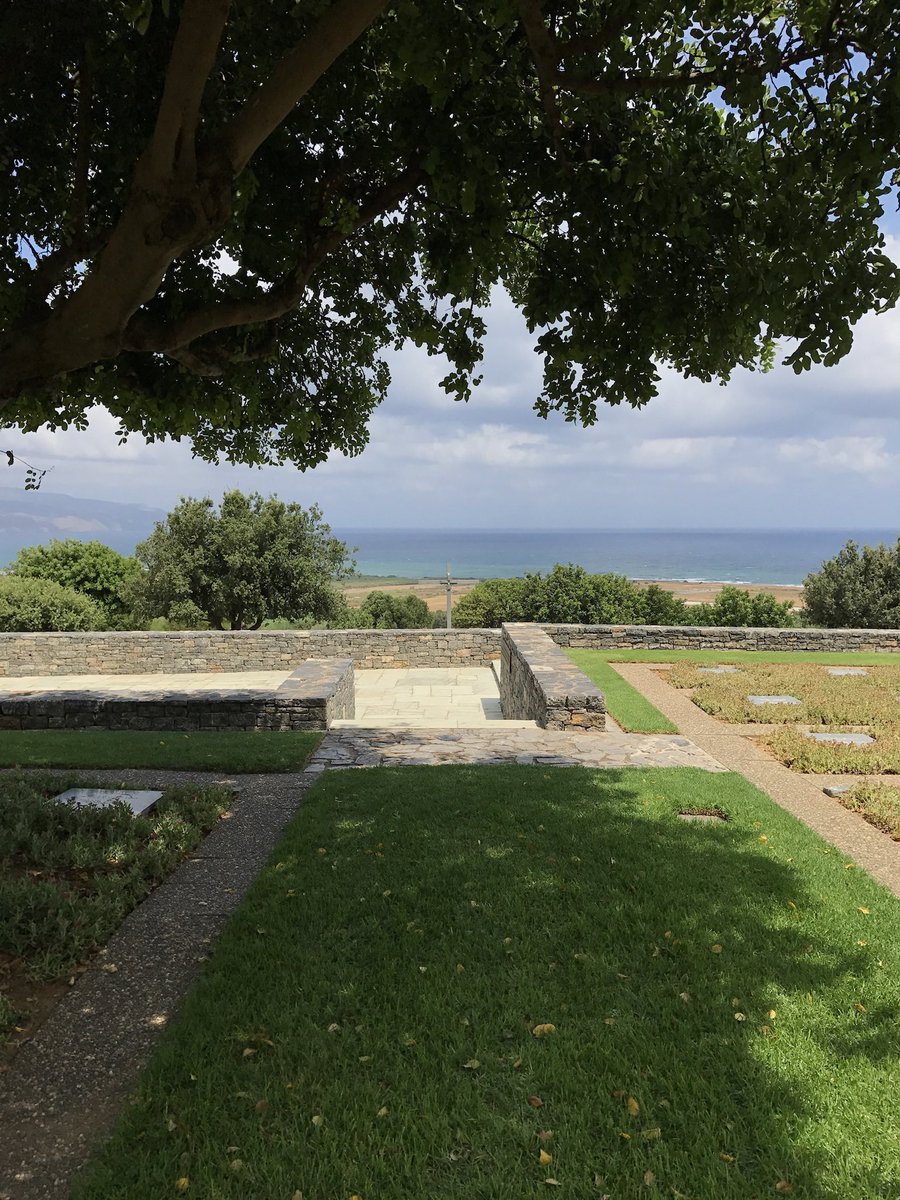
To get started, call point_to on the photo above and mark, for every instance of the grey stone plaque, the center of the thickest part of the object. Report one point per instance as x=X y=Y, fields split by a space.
x=140 y=802
x=847 y=671
x=759 y=701
x=716 y=670
x=837 y=789
x=845 y=739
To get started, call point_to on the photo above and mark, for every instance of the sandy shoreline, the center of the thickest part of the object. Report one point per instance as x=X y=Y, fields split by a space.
x=692 y=591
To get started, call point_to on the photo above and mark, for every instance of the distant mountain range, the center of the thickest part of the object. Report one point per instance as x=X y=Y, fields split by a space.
x=27 y=518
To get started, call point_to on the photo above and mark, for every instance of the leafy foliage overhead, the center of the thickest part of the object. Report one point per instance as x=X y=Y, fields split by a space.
x=255 y=558
x=216 y=221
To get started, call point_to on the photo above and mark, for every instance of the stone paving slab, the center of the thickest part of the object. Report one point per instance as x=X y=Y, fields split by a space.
x=139 y=685
x=343 y=748
x=425 y=698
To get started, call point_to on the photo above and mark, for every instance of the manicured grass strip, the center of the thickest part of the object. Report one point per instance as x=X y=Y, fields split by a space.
x=718 y=1003
x=623 y=702
x=828 y=658
x=239 y=752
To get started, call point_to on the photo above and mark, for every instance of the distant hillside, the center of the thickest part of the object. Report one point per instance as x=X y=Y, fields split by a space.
x=27 y=518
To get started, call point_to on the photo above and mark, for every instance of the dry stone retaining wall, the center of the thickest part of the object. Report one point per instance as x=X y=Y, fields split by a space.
x=242 y=650
x=678 y=637
x=311 y=698
x=539 y=682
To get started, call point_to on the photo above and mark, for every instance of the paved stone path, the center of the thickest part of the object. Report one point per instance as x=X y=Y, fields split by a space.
x=423 y=698
x=505 y=743
x=800 y=794
x=140 y=685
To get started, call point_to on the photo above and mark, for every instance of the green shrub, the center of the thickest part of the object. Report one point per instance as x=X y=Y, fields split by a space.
x=490 y=603
x=662 y=608
x=735 y=607
x=42 y=606
x=857 y=589
x=388 y=610
x=92 y=568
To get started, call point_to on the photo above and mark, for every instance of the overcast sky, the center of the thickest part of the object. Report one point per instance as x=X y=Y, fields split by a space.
x=821 y=450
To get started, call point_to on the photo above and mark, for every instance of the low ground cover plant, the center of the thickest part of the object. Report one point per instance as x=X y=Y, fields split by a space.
x=69 y=875
x=879 y=803
x=533 y=977
x=839 y=700
x=239 y=752
x=801 y=753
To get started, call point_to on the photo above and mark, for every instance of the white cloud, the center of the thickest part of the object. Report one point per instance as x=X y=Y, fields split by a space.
x=859 y=455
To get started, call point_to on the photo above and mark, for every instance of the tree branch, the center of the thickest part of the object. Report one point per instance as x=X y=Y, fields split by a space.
x=172 y=150
x=295 y=74
x=281 y=297
x=545 y=56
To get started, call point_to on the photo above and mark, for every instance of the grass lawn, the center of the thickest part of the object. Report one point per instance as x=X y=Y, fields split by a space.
x=623 y=702
x=456 y=982
x=69 y=875
x=238 y=752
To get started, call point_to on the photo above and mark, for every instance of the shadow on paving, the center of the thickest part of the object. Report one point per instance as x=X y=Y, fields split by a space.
x=416 y=921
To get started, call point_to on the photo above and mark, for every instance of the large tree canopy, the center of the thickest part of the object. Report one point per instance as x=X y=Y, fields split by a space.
x=215 y=217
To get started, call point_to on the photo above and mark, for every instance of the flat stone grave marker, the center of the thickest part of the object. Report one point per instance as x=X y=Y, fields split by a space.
x=845 y=739
x=759 y=701
x=716 y=670
x=702 y=816
x=847 y=671
x=140 y=802
x=837 y=789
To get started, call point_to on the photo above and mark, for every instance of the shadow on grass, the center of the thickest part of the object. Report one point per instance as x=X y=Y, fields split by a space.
x=414 y=922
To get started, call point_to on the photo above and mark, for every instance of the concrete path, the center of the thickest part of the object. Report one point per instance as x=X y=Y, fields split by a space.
x=800 y=794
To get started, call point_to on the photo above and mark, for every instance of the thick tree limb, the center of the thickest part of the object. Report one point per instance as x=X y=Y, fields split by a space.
x=172 y=151
x=332 y=34
x=545 y=56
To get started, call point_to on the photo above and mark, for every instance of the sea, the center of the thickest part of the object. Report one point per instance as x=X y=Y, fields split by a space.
x=781 y=556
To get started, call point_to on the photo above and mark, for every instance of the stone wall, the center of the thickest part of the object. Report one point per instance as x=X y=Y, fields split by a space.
x=244 y=650
x=539 y=682
x=677 y=637
x=311 y=698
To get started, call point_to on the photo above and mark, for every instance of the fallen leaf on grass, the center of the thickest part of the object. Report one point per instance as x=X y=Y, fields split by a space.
x=248 y=1053
x=383 y=1112
x=543 y=1030
x=544 y=1158
x=545 y=1136
x=651 y=1135
x=864 y=911
x=739 y=1016
x=771 y=1014
x=535 y=1102
x=860 y=1007
x=261 y=1105
x=685 y=996
x=472 y=1065
x=784 y=1187
x=110 y=968
x=182 y=1184
x=334 y=1027
x=729 y=1158
x=553 y=1182
x=633 y=1107
x=318 y=1121
x=716 y=948
x=649 y=1178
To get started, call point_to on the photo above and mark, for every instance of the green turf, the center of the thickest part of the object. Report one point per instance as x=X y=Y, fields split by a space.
x=239 y=752
x=723 y=996
x=623 y=702
x=829 y=658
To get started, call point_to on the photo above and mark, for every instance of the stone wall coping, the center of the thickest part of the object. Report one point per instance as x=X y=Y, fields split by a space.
x=724 y=630
x=562 y=681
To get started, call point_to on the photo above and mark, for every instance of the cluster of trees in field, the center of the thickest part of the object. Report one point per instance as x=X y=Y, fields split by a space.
x=257 y=561
x=568 y=594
